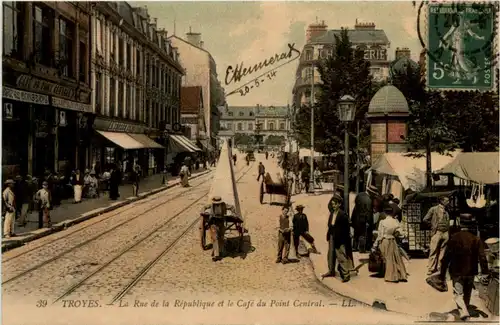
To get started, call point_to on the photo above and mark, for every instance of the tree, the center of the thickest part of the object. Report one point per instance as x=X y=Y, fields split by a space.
x=242 y=139
x=346 y=72
x=275 y=140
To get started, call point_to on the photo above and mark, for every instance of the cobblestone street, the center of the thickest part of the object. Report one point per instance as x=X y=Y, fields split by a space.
x=100 y=259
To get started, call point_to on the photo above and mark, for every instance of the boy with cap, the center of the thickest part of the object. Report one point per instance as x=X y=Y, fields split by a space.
x=301 y=228
x=9 y=202
x=284 y=236
x=42 y=197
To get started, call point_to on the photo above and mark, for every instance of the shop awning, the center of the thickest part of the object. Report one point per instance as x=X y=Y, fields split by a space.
x=146 y=141
x=207 y=145
x=122 y=140
x=479 y=167
x=182 y=144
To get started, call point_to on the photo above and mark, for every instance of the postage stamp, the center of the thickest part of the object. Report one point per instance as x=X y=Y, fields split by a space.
x=461 y=46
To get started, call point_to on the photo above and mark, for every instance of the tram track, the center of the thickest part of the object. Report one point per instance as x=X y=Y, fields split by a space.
x=93 y=238
x=119 y=211
x=129 y=254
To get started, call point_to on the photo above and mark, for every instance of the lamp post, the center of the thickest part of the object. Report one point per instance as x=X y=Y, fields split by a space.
x=311 y=178
x=347 y=110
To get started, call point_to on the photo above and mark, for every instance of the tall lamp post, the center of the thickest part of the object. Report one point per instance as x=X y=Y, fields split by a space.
x=311 y=178
x=347 y=111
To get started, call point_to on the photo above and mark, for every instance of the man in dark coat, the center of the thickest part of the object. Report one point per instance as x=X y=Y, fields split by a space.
x=464 y=252
x=114 y=183
x=362 y=220
x=301 y=228
x=339 y=240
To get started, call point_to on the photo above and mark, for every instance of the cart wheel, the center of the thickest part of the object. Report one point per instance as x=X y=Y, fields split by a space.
x=261 y=196
x=203 y=235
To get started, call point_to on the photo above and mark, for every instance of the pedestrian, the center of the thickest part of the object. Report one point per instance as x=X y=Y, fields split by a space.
x=305 y=176
x=77 y=183
x=114 y=183
x=464 y=252
x=184 y=175
x=93 y=185
x=86 y=183
x=267 y=155
x=234 y=159
x=439 y=220
x=134 y=178
x=317 y=178
x=262 y=171
x=284 y=236
x=43 y=199
x=301 y=229
x=388 y=231
x=339 y=240
x=398 y=213
x=362 y=220
x=21 y=193
x=9 y=202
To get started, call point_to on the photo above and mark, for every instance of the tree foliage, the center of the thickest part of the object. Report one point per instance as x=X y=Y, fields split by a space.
x=242 y=139
x=346 y=72
x=275 y=140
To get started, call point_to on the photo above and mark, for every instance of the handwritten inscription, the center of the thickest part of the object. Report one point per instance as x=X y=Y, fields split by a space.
x=256 y=83
x=234 y=75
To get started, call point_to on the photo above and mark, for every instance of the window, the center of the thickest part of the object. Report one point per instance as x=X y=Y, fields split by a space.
x=12 y=29
x=138 y=106
x=250 y=127
x=153 y=82
x=241 y=114
x=229 y=126
x=120 y=104
x=271 y=126
x=65 y=47
x=240 y=127
x=230 y=113
x=121 y=52
x=251 y=114
x=112 y=96
x=147 y=70
x=309 y=54
x=138 y=62
x=100 y=39
x=42 y=39
x=98 y=92
x=129 y=57
x=83 y=62
x=282 y=126
x=146 y=112
x=112 y=46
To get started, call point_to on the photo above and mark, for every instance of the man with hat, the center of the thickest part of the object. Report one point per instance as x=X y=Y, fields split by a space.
x=301 y=229
x=362 y=219
x=339 y=240
x=439 y=220
x=217 y=211
x=464 y=252
x=43 y=199
x=9 y=202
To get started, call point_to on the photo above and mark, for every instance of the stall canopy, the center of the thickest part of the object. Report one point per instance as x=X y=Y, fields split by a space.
x=307 y=153
x=479 y=167
x=146 y=141
x=410 y=171
x=122 y=140
x=206 y=144
x=180 y=143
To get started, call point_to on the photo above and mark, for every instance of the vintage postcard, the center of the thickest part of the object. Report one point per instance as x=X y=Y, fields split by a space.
x=232 y=162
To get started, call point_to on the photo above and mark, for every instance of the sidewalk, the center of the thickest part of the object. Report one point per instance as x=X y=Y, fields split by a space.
x=68 y=214
x=415 y=297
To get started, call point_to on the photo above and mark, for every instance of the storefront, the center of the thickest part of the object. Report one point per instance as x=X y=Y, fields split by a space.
x=124 y=144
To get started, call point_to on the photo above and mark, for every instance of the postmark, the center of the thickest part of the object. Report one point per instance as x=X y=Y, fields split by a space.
x=461 y=46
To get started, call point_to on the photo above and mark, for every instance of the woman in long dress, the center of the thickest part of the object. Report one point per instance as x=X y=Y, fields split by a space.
x=184 y=175
x=388 y=230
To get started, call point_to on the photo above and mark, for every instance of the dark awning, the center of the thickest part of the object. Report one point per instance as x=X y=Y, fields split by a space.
x=180 y=143
x=206 y=144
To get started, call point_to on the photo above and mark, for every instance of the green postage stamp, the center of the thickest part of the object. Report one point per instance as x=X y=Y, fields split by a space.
x=461 y=46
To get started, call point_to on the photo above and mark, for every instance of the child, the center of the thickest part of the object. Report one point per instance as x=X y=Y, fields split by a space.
x=284 y=236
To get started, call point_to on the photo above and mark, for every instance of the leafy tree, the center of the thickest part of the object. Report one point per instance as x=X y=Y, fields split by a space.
x=346 y=72
x=242 y=139
x=275 y=140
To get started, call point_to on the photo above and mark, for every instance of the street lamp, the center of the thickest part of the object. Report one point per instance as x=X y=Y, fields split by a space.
x=347 y=110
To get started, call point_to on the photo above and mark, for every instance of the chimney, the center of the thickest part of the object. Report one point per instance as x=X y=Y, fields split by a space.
x=315 y=30
x=403 y=52
x=194 y=38
x=201 y=44
x=364 y=26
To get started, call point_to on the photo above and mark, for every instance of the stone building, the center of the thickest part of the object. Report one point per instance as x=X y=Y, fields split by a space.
x=46 y=93
x=201 y=70
x=320 y=44
x=136 y=77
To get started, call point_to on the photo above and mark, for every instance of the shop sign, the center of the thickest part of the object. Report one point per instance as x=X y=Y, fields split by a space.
x=378 y=132
x=75 y=106
x=24 y=96
x=30 y=83
x=125 y=127
x=376 y=55
x=396 y=130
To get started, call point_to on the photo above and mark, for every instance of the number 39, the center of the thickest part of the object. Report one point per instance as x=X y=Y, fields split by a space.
x=438 y=73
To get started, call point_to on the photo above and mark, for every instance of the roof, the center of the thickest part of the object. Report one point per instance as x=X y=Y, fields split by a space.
x=401 y=65
x=279 y=111
x=479 y=167
x=181 y=39
x=388 y=99
x=356 y=36
x=191 y=99
x=238 y=113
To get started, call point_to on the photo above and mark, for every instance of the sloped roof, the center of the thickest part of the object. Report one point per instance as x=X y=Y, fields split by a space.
x=356 y=36
x=238 y=113
x=388 y=99
x=191 y=99
x=280 y=111
x=479 y=167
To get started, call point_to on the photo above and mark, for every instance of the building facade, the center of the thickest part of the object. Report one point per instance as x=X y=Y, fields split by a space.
x=136 y=78
x=266 y=122
x=46 y=92
x=192 y=112
x=320 y=45
x=201 y=70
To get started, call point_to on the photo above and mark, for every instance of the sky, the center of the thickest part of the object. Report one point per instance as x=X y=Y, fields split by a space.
x=253 y=31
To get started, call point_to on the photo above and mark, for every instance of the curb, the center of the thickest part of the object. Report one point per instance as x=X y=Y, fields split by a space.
x=39 y=233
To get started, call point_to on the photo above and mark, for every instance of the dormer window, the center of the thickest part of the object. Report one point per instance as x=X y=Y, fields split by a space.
x=230 y=113
x=309 y=52
x=241 y=113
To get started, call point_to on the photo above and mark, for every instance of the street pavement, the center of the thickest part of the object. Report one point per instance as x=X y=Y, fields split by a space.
x=414 y=297
x=185 y=274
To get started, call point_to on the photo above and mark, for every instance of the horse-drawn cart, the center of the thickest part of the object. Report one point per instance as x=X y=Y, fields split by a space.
x=233 y=229
x=268 y=186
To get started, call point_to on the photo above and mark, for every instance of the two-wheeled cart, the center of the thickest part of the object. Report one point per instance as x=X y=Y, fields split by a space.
x=233 y=226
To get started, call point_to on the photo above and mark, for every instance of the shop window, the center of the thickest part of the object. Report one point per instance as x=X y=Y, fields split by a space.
x=13 y=28
x=282 y=126
x=65 y=48
x=83 y=62
x=109 y=155
x=112 y=96
x=240 y=127
x=42 y=38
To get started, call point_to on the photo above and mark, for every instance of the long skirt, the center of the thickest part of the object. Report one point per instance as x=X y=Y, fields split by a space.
x=77 y=192
x=395 y=269
x=185 y=180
